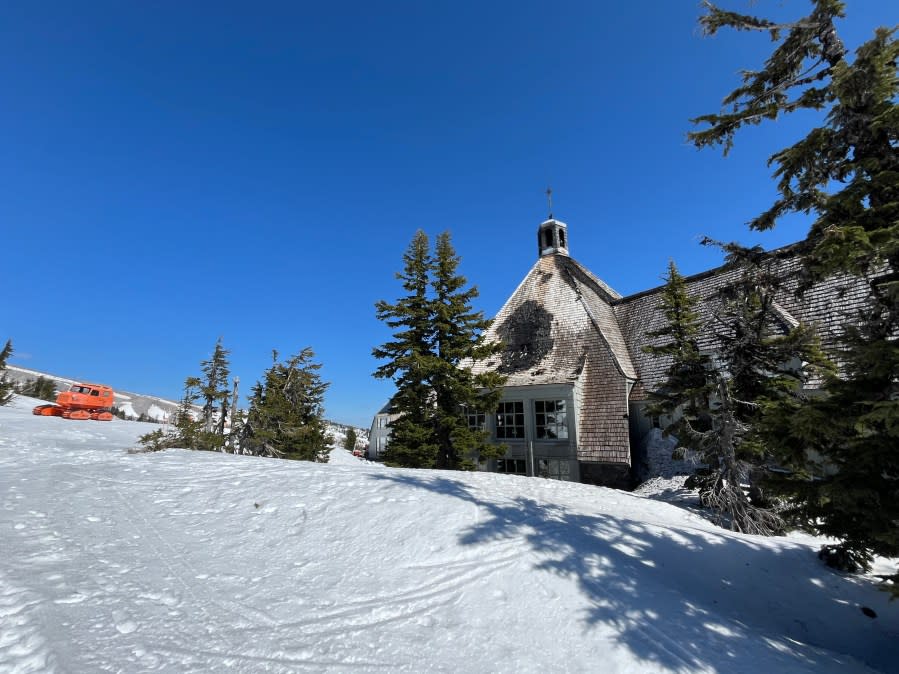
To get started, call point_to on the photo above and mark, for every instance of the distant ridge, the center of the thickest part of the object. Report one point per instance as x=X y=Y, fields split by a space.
x=136 y=404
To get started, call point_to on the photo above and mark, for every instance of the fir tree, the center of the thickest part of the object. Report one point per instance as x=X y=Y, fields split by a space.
x=214 y=391
x=684 y=398
x=702 y=413
x=6 y=387
x=714 y=407
x=845 y=172
x=437 y=336
x=349 y=442
x=765 y=359
x=286 y=416
x=457 y=342
x=188 y=429
x=409 y=356
x=41 y=388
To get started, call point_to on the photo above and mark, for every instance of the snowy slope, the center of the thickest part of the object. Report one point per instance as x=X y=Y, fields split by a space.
x=191 y=561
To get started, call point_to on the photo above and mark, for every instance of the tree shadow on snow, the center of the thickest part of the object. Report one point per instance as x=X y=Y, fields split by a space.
x=688 y=598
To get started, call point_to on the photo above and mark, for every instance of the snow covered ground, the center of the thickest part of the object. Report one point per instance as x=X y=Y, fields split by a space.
x=184 y=561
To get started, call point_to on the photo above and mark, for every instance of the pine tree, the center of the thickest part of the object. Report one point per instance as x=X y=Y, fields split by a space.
x=409 y=355
x=286 y=416
x=846 y=172
x=349 y=442
x=438 y=336
x=214 y=391
x=6 y=387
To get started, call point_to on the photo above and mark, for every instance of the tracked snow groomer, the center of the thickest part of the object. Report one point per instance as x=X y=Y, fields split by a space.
x=81 y=401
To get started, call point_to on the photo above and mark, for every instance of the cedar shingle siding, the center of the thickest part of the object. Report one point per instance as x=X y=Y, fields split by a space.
x=559 y=327
x=563 y=326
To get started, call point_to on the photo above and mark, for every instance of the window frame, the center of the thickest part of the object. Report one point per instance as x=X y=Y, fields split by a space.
x=478 y=417
x=555 y=430
x=503 y=415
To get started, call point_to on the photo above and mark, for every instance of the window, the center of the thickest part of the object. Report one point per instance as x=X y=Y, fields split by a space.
x=510 y=420
x=477 y=421
x=381 y=421
x=562 y=238
x=512 y=466
x=554 y=469
x=551 y=419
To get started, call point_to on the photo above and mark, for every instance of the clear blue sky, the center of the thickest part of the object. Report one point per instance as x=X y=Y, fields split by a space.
x=178 y=171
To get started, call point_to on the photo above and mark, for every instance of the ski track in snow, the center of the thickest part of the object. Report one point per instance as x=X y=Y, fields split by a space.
x=195 y=562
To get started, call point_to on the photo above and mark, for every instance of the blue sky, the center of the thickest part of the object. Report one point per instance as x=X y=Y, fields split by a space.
x=174 y=172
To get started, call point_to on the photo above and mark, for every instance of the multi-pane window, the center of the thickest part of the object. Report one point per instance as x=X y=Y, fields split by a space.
x=510 y=420
x=477 y=421
x=554 y=469
x=551 y=419
x=513 y=466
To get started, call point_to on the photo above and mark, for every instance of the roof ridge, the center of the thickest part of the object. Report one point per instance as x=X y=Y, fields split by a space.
x=789 y=250
x=596 y=325
x=601 y=286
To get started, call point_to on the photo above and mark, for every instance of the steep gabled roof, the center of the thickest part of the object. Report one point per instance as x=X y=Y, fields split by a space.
x=558 y=312
x=559 y=328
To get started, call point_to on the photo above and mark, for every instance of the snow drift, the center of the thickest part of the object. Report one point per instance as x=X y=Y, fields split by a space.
x=195 y=561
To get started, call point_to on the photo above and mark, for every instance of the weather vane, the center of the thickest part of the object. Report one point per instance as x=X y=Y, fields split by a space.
x=549 y=198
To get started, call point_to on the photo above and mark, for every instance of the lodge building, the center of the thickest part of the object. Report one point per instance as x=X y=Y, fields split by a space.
x=574 y=402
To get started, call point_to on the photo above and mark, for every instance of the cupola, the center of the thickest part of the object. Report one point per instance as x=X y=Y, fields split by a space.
x=552 y=238
x=552 y=235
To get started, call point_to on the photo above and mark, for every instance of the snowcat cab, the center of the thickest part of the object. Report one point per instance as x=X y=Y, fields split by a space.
x=81 y=401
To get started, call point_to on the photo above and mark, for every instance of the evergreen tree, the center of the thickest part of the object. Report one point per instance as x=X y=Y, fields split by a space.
x=846 y=172
x=6 y=387
x=41 y=388
x=214 y=391
x=457 y=339
x=409 y=355
x=684 y=398
x=437 y=336
x=698 y=401
x=714 y=406
x=232 y=442
x=286 y=416
x=349 y=442
x=765 y=359
x=188 y=429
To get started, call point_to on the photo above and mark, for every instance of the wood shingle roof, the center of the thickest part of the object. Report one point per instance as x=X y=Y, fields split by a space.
x=563 y=325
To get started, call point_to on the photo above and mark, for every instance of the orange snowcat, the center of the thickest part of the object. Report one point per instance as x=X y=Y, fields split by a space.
x=81 y=401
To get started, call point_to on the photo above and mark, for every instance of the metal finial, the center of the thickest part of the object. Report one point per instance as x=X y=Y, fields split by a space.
x=549 y=198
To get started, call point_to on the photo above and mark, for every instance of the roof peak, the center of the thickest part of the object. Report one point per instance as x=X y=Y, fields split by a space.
x=552 y=238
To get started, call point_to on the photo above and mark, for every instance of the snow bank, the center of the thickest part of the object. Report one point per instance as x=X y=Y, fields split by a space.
x=196 y=561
